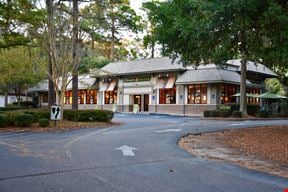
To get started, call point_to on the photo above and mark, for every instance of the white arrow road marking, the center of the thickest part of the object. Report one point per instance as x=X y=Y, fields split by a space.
x=126 y=150
x=237 y=124
x=169 y=130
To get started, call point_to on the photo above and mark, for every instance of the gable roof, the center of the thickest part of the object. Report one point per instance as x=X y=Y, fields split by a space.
x=153 y=65
x=210 y=75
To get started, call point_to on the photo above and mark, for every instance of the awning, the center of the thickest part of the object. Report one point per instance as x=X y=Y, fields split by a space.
x=170 y=82
x=104 y=86
x=112 y=85
x=165 y=82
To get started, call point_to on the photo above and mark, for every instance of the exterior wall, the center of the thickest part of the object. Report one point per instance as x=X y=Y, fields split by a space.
x=191 y=109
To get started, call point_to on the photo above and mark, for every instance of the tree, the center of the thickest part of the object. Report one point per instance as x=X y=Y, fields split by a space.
x=117 y=16
x=215 y=31
x=20 y=68
x=150 y=39
x=274 y=86
x=57 y=41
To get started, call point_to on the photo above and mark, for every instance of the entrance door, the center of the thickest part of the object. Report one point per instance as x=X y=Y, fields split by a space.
x=146 y=102
x=137 y=100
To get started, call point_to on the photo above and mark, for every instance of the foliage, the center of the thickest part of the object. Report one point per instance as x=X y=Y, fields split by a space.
x=214 y=113
x=115 y=17
x=19 y=69
x=225 y=113
x=283 y=108
x=263 y=114
x=88 y=115
x=91 y=62
x=274 y=86
x=206 y=113
x=237 y=114
x=43 y=122
x=235 y=28
x=3 y=120
x=16 y=17
x=23 y=120
x=39 y=114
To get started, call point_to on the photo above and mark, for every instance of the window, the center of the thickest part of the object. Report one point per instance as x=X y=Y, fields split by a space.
x=68 y=97
x=91 y=97
x=167 y=96
x=45 y=98
x=227 y=92
x=110 y=97
x=81 y=95
x=252 y=100
x=197 y=94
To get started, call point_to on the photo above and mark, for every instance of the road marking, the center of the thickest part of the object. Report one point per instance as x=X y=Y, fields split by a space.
x=169 y=130
x=126 y=150
x=237 y=124
x=83 y=137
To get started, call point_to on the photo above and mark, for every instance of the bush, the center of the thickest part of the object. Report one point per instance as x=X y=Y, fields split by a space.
x=3 y=120
x=225 y=113
x=237 y=114
x=43 y=122
x=88 y=115
x=25 y=104
x=69 y=115
x=214 y=113
x=264 y=113
x=39 y=114
x=253 y=109
x=23 y=120
x=206 y=113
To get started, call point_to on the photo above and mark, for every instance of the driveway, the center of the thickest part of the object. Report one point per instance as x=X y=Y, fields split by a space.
x=140 y=155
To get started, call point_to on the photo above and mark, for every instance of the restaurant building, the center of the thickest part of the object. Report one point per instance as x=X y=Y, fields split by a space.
x=159 y=85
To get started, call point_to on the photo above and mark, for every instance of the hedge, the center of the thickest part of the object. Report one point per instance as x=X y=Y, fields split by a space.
x=206 y=113
x=3 y=120
x=88 y=115
x=23 y=120
x=264 y=114
x=43 y=122
x=237 y=114
x=39 y=114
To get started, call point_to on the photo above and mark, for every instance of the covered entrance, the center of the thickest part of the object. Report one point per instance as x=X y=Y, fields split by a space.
x=142 y=101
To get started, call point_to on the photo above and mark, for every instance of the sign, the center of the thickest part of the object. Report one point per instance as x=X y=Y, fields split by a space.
x=135 y=108
x=56 y=112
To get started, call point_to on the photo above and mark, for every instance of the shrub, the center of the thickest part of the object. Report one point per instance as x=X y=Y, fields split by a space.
x=25 y=104
x=39 y=114
x=43 y=122
x=237 y=114
x=23 y=120
x=88 y=115
x=252 y=109
x=214 y=113
x=225 y=113
x=264 y=113
x=69 y=115
x=206 y=113
x=3 y=120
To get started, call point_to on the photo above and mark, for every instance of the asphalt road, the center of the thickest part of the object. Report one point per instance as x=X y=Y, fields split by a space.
x=140 y=155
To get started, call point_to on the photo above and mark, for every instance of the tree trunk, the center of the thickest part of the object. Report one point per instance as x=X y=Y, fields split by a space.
x=51 y=88
x=51 y=91
x=112 y=37
x=243 y=98
x=153 y=48
x=75 y=57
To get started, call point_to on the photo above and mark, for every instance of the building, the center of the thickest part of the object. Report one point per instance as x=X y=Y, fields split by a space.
x=159 y=86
